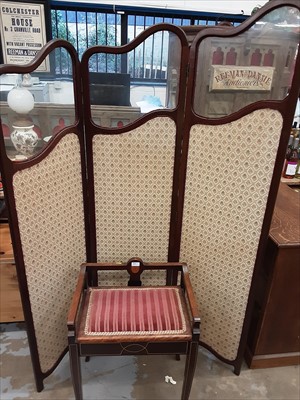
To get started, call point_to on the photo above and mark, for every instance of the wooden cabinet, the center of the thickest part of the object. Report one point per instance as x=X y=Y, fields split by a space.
x=275 y=327
x=10 y=301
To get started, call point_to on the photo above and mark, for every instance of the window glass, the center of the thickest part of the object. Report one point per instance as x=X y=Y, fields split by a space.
x=123 y=87
x=34 y=107
x=256 y=65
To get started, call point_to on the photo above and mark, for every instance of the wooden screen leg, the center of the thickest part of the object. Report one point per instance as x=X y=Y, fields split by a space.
x=75 y=371
x=190 y=366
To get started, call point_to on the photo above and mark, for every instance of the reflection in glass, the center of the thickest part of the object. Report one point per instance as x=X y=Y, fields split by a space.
x=123 y=87
x=23 y=136
x=256 y=65
x=34 y=107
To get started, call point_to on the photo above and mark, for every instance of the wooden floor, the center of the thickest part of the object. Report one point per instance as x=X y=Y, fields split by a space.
x=10 y=301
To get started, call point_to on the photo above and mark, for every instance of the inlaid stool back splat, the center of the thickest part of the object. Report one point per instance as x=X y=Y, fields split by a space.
x=133 y=320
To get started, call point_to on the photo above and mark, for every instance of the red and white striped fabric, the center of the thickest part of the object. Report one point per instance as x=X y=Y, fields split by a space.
x=121 y=311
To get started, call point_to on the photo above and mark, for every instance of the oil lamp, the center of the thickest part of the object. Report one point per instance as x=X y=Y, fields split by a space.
x=23 y=137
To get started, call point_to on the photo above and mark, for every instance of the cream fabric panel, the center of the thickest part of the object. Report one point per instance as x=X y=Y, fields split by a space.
x=50 y=212
x=133 y=188
x=228 y=178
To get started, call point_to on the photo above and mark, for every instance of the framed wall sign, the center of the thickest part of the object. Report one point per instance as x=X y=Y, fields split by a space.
x=24 y=28
x=241 y=78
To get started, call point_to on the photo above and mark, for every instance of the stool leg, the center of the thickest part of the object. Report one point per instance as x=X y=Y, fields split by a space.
x=190 y=366
x=75 y=371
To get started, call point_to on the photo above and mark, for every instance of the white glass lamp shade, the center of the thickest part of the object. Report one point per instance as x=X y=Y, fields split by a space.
x=20 y=100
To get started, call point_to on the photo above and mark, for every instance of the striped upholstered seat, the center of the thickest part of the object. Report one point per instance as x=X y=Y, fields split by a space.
x=133 y=319
x=143 y=311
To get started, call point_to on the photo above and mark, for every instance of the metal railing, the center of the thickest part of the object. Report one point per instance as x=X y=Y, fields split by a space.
x=88 y=25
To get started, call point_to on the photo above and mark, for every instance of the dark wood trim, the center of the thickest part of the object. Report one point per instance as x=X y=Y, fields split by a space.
x=9 y=168
x=271 y=360
x=177 y=114
x=289 y=105
x=286 y=107
x=91 y=127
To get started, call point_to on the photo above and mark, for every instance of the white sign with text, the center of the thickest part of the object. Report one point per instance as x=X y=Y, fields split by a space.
x=231 y=77
x=23 y=32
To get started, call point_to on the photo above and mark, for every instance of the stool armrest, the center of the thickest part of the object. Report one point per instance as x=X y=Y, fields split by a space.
x=191 y=298
x=82 y=280
x=74 y=307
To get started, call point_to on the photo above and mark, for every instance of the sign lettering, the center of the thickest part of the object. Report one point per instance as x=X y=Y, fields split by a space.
x=23 y=32
x=241 y=78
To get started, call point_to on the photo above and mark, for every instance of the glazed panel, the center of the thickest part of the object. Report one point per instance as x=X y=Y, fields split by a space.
x=257 y=64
